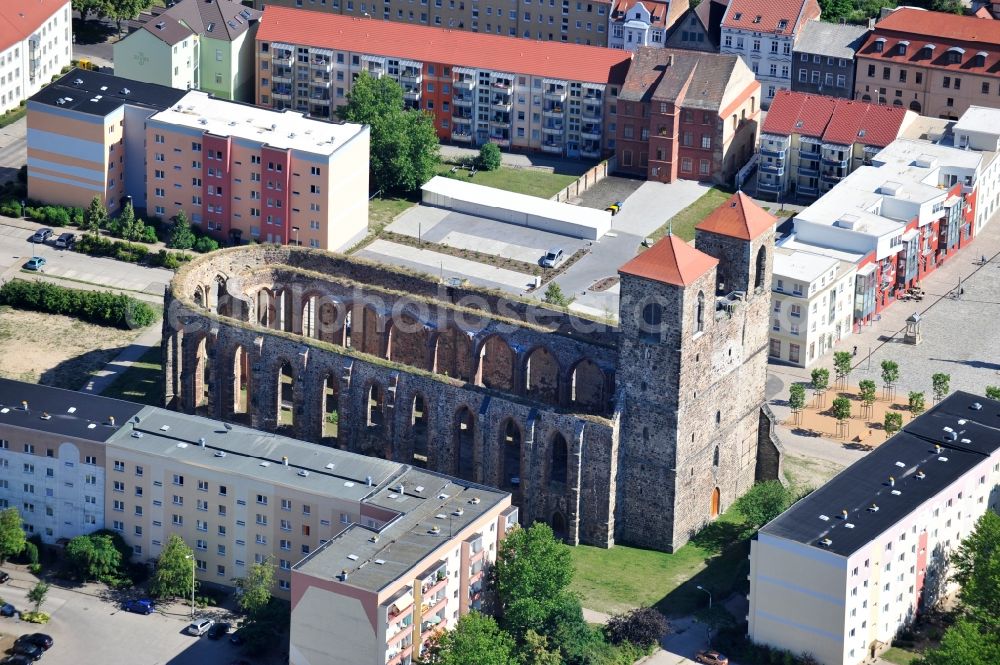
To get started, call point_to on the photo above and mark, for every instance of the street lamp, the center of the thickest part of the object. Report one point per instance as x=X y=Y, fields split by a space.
x=295 y=230
x=701 y=588
x=191 y=556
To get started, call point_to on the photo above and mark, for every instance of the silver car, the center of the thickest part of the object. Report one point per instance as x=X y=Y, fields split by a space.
x=553 y=258
x=199 y=627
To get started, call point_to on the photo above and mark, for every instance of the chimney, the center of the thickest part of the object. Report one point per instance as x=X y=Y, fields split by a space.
x=937 y=448
x=111 y=420
x=24 y=404
x=843 y=514
x=670 y=60
x=284 y=460
x=368 y=481
x=892 y=481
x=343 y=575
x=201 y=442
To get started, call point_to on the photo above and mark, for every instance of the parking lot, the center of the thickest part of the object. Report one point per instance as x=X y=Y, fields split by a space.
x=87 y=628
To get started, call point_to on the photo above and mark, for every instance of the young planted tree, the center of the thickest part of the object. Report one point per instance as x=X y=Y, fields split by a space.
x=890 y=374
x=181 y=236
x=842 y=367
x=255 y=588
x=842 y=412
x=941 y=384
x=174 y=573
x=893 y=423
x=797 y=400
x=916 y=403
x=95 y=217
x=993 y=392
x=489 y=157
x=37 y=595
x=867 y=389
x=554 y=296
x=820 y=384
x=12 y=538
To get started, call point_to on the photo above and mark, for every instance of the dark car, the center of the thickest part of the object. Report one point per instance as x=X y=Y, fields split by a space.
x=219 y=630
x=139 y=606
x=27 y=649
x=41 y=235
x=16 y=660
x=65 y=241
x=4 y=577
x=7 y=610
x=40 y=640
x=237 y=638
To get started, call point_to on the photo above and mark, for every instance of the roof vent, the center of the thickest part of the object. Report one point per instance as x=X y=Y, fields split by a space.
x=136 y=435
x=228 y=427
x=368 y=481
x=900 y=465
x=895 y=492
x=458 y=512
x=330 y=465
x=125 y=91
x=825 y=518
x=951 y=436
x=24 y=405
x=962 y=421
x=434 y=530
x=182 y=445
x=474 y=500
x=373 y=539
x=920 y=474
x=976 y=406
x=77 y=81
x=843 y=514
x=220 y=453
x=892 y=481
x=826 y=542
x=265 y=463
x=303 y=473
x=401 y=488
x=942 y=459
x=161 y=25
x=873 y=508
x=352 y=557
x=379 y=562
x=343 y=575
x=164 y=428
x=46 y=416
x=71 y=409
x=848 y=526
x=201 y=442
x=966 y=441
x=937 y=448
x=418 y=489
x=284 y=460
x=111 y=421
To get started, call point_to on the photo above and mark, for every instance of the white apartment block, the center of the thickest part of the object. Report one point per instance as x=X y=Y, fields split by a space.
x=845 y=569
x=35 y=44
x=764 y=37
x=812 y=305
x=979 y=129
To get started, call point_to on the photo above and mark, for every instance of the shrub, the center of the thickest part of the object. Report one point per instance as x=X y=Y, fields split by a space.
x=35 y=568
x=97 y=246
x=169 y=260
x=642 y=626
x=204 y=244
x=31 y=552
x=489 y=157
x=115 y=309
x=36 y=617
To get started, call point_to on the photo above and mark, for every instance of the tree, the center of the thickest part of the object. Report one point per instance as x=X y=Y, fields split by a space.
x=37 y=595
x=255 y=588
x=181 y=236
x=976 y=567
x=477 y=639
x=129 y=227
x=86 y=7
x=554 y=295
x=841 y=410
x=12 y=538
x=890 y=374
x=763 y=502
x=916 y=403
x=842 y=366
x=797 y=398
x=532 y=574
x=404 y=144
x=941 y=384
x=95 y=217
x=964 y=643
x=642 y=626
x=536 y=651
x=174 y=573
x=94 y=557
x=993 y=392
x=893 y=423
x=867 y=388
x=489 y=157
x=124 y=10
x=820 y=382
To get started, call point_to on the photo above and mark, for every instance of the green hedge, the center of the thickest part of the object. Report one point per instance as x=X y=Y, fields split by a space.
x=109 y=309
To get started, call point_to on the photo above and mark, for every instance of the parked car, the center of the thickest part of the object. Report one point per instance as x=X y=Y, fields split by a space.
x=236 y=639
x=4 y=577
x=41 y=235
x=35 y=263
x=40 y=640
x=27 y=649
x=65 y=241
x=16 y=660
x=200 y=627
x=615 y=208
x=7 y=610
x=711 y=657
x=553 y=258
x=139 y=606
x=218 y=630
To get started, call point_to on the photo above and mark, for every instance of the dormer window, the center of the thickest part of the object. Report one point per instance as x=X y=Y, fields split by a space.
x=927 y=51
x=782 y=24
x=981 y=59
x=901 y=47
x=756 y=19
x=737 y=16
x=879 y=44
x=954 y=55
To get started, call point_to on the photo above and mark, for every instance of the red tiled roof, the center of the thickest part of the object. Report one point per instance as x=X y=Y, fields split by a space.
x=945 y=31
x=20 y=18
x=765 y=15
x=835 y=120
x=739 y=217
x=559 y=60
x=670 y=260
x=663 y=13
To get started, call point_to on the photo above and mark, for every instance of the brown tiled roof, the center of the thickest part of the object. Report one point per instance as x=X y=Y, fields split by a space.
x=19 y=19
x=697 y=78
x=663 y=13
x=768 y=15
x=834 y=120
x=218 y=19
x=710 y=13
x=670 y=260
x=571 y=62
x=739 y=217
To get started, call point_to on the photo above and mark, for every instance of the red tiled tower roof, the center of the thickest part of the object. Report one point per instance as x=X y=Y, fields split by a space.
x=573 y=62
x=672 y=261
x=739 y=217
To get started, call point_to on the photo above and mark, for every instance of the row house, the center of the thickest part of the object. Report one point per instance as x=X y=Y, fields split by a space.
x=36 y=40
x=636 y=23
x=842 y=572
x=339 y=527
x=568 y=21
x=809 y=143
x=686 y=115
x=764 y=34
x=933 y=63
x=823 y=58
x=699 y=29
x=521 y=95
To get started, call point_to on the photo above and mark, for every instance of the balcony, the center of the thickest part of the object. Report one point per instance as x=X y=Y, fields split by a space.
x=321 y=65
x=591 y=113
x=591 y=132
x=319 y=100
x=319 y=78
x=461 y=115
x=829 y=177
x=593 y=96
x=282 y=75
x=464 y=83
x=552 y=147
x=504 y=85
x=281 y=57
x=772 y=152
x=412 y=94
x=502 y=141
x=777 y=168
x=808 y=172
x=590 y=151
x=463 y=137
x=281 y=93
x=411 y=75
x=500 y=121
x=552 y=111
x=770 y=187
x=463 y=100
x=500 y=102
x=555 y=93
x=553 y=129
x=837 y=162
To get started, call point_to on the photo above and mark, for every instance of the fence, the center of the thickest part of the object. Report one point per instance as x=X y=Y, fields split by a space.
x=586 y=181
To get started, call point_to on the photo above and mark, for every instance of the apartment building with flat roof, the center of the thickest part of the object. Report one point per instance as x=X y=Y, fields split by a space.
x=75 y=463
x=933 y=63
x=36 y=39
x=572 y=21
x=842 y=571
x=244 y=173
x=520 y=94
x=809 y=143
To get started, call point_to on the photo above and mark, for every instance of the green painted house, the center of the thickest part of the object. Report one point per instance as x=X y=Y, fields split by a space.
x=197 y=44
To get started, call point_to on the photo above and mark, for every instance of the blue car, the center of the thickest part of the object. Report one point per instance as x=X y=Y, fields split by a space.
x=7 y=610
x=140 y=606
x=35 y=263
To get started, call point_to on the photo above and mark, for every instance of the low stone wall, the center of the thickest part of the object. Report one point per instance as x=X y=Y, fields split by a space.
x=586 y=181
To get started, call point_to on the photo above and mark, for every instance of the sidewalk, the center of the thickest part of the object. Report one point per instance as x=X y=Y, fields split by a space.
x=130 y=354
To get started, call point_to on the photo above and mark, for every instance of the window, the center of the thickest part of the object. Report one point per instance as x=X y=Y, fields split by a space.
x=203 y=485
x=178 y=520
x=262 y=519
x=261 y=499
x=178 y=480
x=286 y=544
x=286 y=525
x=706 y=142
x=178 y=500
